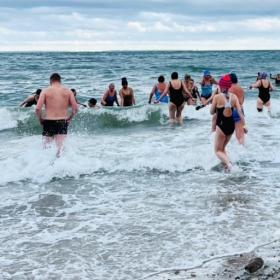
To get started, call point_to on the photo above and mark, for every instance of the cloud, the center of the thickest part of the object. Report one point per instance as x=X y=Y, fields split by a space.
x=155 y=24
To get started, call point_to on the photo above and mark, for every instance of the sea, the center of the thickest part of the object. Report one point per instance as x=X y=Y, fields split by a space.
x=131 y=195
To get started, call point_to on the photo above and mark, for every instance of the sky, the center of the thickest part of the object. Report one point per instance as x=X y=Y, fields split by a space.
x=102 y=25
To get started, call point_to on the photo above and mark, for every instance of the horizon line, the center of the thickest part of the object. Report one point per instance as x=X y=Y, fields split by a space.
x=137 y=50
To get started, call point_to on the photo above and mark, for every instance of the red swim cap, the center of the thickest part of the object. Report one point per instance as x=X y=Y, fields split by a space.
x=225 y=82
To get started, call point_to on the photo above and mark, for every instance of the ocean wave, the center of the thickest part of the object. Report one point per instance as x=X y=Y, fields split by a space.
x=24 y=121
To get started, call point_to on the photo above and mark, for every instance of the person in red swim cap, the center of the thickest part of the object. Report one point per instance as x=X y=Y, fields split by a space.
x=223 y=104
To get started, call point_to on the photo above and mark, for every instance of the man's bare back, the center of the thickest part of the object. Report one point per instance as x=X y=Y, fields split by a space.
x=56 y=99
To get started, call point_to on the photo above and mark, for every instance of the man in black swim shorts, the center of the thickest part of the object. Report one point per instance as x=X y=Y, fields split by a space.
x=56 y=100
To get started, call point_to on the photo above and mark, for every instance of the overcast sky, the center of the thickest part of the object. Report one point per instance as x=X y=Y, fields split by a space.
x=89 y=25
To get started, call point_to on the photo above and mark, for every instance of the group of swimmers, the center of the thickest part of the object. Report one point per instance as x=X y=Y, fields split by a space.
x=226 y=104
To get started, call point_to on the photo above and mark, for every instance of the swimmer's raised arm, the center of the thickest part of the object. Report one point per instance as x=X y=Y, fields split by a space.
x=256 y=84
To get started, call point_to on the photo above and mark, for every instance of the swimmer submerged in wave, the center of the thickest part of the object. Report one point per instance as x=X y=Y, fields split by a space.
x=56 y=99
x=175 y=89
x=32 y=99
x=223 y=104
x=264 y=87
x=158 y=89
x=92 y=104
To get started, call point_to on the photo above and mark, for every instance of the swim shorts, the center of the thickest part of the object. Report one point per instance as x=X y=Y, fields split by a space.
x=54 y=127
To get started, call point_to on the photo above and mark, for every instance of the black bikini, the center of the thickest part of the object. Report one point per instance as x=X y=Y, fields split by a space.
x=176 y=95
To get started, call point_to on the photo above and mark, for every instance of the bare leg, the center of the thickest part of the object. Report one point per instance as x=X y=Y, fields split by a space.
x=179 y=114
x=59 y=141
x=239 y=132
x=172 y=111
x=214 y=121
x=259 y=105
x=268 y=105
x=221 y=141
x=204 y=101
x=47 y=141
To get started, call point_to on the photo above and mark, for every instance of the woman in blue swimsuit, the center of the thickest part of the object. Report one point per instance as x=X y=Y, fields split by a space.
x=110 y=96
x=158 y=89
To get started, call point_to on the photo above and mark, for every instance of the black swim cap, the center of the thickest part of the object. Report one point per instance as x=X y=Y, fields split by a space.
x=92 y=101
x=38 y=91
x=161 y=79
x=233 y=78
x=174 y=76
x=124 y=81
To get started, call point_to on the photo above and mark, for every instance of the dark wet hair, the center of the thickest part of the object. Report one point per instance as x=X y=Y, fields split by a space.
x=161 y=79
x=190 y=79
x=74 y=91
x=124 y=81
x=187 y=77
x=38 y=91
x=233 y=78
x=55 y=77
x=174 y=76
x=92 y=101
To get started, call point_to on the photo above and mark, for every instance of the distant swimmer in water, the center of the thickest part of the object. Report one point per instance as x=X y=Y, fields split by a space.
x=190 y=85
x=237 y=90
x=264 y=87
x=110 y=96
x=56 y=99
x=92 y=104
x=32 y=99
x=126 y=94
x=223 y=104
x=158 y=89
x=207 y=87
x=75 y=95
x=175 y=89
x=276 y=79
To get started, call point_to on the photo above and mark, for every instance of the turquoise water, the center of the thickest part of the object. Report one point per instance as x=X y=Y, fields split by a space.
x=131 y=195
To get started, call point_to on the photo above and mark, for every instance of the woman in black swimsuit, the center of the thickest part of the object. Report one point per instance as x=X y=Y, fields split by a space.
x=223 y=104
x=126 y=94
x=32 y=99
x=264 y=87
x=176 y=89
